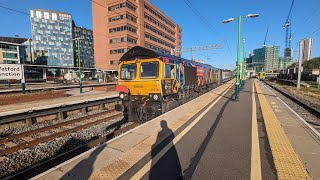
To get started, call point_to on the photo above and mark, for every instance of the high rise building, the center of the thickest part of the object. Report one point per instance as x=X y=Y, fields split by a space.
x=249 y=61
x=12 y=50
x=266 y=59
x=120 y=25
x=305 y=50
x=52 y=37
x=86 y=47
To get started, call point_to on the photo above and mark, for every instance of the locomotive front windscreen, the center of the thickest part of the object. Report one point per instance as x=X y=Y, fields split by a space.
x=128 y=71
x=149 y=69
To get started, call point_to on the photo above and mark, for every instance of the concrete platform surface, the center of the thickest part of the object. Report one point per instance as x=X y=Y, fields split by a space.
x=50 y=103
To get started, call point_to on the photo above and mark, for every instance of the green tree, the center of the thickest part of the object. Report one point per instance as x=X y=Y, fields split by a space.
x=312 y=63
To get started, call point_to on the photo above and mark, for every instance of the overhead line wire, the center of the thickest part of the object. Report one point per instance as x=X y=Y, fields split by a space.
x=207 y=23
x=14 y=10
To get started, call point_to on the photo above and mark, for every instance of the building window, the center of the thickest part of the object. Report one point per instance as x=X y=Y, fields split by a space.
x=147 y=26
x=123 y=39
x=156 y=48
x=121 y=5
x=158 y=24
x=159 y=16
x=54 y=16
x=38 y=14
x=148 y=36
x=123 y=28
x=114 y=62
x=46 y=15
x=123 y=16
x=118 y=51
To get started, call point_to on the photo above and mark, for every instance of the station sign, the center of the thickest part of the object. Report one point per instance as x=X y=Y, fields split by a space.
x=10 y=71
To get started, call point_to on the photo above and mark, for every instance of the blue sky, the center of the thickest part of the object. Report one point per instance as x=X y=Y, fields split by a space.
x=195 y=33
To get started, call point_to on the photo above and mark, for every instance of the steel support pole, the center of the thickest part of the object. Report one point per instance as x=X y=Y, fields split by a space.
x=244 y=73
x=6 y=57
x=238 y=60
x=299 y=72
x=319 y=78
x=79 y=71
x=23 y=81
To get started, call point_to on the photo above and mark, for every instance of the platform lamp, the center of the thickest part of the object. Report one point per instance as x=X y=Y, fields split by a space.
x=244 y=64
x=238 y=48
x=79 y=70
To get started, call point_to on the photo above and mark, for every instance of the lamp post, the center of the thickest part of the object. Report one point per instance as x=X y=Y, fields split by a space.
x=238 y=49
x=244 y=64
x=6 y=57
x=79 y=70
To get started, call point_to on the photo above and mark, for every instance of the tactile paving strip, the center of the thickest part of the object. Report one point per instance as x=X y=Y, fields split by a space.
x=286 y=160
x=131 y=157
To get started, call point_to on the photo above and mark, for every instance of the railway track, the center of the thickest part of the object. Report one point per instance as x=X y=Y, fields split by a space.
x=16 y=142
x=13 y=146
x=309 y=113
x=120 y=127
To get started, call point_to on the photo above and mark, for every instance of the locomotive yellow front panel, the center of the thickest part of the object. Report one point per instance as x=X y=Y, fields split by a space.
x=142 y=87
x=141 y=77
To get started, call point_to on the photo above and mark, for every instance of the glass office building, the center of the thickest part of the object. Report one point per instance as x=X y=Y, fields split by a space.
x=52 y=37
x=86 y=47
x=266 y=59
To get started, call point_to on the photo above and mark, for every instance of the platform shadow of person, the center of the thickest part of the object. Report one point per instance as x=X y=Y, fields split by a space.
x=168 y=166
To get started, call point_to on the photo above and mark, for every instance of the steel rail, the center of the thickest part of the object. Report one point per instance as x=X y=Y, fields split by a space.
x=54 y=110
x=55 y=135
x=38 y=130
x=307 y=107
x=56 y=160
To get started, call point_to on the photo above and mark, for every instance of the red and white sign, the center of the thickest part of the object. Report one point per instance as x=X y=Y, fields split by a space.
x=199 y=71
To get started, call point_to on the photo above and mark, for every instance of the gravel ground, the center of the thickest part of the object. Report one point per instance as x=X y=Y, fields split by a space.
x=16 y=130
x=306 y=115
x=25 y=158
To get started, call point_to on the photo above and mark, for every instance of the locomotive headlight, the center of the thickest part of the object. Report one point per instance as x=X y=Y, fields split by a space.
x=121 y=96
x=155 y=97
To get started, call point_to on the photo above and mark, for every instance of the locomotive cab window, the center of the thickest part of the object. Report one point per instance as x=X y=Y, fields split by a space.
x=128 y=71
x=169 y=71
x=149 y=69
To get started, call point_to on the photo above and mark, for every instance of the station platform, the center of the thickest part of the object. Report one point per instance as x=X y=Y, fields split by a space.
x=210 y=137
x=75 y=98
x=48 y=86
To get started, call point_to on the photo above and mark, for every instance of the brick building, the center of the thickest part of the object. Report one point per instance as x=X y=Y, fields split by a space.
x=120 y=25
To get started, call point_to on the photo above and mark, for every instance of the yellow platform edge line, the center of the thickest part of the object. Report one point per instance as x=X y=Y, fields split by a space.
x=287 y=162
x=255 y=147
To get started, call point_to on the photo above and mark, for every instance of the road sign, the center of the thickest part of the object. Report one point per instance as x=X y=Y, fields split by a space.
x=10 y=71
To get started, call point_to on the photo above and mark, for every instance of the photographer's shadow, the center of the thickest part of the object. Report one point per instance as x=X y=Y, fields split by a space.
x=168 y=166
